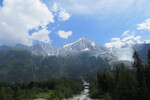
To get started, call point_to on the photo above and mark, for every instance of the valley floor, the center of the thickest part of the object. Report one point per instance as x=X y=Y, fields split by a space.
x=82 y=96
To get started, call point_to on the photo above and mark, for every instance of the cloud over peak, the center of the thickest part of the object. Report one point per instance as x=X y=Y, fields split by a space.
x=42 y=35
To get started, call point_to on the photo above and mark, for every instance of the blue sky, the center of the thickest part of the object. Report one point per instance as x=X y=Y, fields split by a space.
x=97 y=20
x=1 y=2
x=101 y=27
x=100 y=31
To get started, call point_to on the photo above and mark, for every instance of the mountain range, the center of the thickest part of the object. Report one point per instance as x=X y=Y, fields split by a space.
x=42 y=61
x=81 y=45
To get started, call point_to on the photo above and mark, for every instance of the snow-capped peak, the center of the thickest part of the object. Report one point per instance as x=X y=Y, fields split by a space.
x=82 y=44
x=86 y=49
x=93 y=43
x=67 y=45
x=79 y=40
x=82 y=39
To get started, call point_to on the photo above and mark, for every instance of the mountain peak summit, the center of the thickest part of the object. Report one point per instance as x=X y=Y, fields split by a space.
x=80 y=40
x=82 y=44
x=84 y=39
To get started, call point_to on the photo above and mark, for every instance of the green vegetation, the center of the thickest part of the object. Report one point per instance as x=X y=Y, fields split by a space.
x=124 y=83
x=52 y=89
x=23 y=66
x=45 y=95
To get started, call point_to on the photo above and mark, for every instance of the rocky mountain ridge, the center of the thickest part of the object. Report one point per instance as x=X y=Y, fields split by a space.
x=81 y=45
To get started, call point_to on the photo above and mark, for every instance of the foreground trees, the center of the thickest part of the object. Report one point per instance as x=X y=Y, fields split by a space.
x=53 y=89
x=124 y=83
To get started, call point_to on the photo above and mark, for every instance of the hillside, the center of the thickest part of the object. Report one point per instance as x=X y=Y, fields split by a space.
x=22 y=65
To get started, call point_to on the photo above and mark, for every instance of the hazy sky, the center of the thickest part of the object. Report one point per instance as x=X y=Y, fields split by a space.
x=58 y=22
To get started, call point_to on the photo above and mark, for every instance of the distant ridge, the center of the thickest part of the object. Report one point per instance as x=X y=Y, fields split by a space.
x=81 y=45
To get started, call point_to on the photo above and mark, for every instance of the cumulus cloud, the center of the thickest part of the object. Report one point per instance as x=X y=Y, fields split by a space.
x=20 y=16
x=55 y=7
x=63 y=15
x=126 y=41
x=130 y=37
x=115 y=44
x=144 y=26
x=115 y=39
x=64 y=34
x=42 y=35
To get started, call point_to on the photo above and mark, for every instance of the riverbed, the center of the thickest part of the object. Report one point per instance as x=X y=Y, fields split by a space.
x=83 y=96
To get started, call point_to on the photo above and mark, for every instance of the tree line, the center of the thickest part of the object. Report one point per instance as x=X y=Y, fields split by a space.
x=124 y=83
x=52 y=89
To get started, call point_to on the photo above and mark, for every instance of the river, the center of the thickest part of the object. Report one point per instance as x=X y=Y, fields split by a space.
x=84 y=95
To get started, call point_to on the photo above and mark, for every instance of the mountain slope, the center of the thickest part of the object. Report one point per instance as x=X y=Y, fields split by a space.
x=81 y=45
x=42 y=61
x=142 y=50
x=44 y=49
x=22 y=66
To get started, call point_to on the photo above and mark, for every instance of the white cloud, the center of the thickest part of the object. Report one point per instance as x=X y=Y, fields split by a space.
x=137 y=37
x=115 y=39
x=55 y=7
x=126 y=33
x=64 y=34
x=42 y=35
x=63 y=15
x=116 y=44
x=130 y=37
x=17 y=17
x=119 y=43
x=144 y=26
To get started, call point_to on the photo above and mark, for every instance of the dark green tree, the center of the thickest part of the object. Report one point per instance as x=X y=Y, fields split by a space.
x=147 y=72
x=140 y=76
x=137 y=64
x=148 y=58
x=124 y=84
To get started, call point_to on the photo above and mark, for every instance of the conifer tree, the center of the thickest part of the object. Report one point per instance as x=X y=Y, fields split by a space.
x=148 y=58
x=140 y=76
x=137 y=64
x=147 y=72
